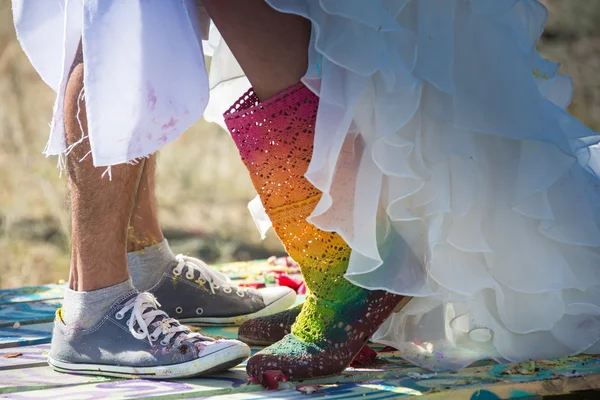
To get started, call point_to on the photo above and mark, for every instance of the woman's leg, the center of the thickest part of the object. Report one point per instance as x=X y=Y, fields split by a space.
x=271 y=47
x=275 y=142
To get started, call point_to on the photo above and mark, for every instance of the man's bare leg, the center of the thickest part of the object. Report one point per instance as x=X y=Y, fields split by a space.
x=144 y=228
x=101 y=208
x=105 y=326
x=148 y=253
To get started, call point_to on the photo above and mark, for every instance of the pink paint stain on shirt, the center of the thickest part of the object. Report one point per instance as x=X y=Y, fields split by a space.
x=171 y=124
x=163 y=138
x=151 y=97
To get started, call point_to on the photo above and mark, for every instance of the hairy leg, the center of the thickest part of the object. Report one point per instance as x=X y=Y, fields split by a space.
x=101 y=208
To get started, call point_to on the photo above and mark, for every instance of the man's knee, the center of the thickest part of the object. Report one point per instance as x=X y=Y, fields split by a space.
x=74 y=85
x=77 y=74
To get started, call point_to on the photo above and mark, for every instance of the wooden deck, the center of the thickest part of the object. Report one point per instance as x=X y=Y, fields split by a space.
x=26 y=320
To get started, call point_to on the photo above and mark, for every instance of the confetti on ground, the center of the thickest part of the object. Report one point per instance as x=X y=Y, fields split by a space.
x=12 y=355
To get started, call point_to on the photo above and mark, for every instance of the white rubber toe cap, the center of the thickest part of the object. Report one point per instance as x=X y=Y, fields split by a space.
x=275 y=294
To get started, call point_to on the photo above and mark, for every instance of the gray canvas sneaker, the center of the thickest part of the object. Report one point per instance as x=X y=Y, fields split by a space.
x=137 y=340
x=196 y=294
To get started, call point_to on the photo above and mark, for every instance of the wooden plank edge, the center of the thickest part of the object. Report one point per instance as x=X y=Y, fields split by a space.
x=28 y=342
x=53 y=292
x=530 y=389
x=32 y=364
x=9 y=324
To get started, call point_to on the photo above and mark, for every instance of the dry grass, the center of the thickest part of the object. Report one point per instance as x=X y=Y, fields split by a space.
x=203 y=209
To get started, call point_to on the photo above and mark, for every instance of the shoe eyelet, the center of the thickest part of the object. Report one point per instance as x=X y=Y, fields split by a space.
x=176 y=272
x=179 y=310
x=227 y=289
x=216 y=286
x=199 y=311
x=241 y=294
x=190 y=276
x=119 y=316
x=140 y=331
x=163 y=343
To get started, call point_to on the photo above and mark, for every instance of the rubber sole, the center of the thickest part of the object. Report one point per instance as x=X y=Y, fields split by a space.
x=218 y=361
x=281 y=304
x=252 y=342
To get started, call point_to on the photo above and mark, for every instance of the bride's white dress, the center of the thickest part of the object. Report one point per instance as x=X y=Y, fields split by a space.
x=442 y=146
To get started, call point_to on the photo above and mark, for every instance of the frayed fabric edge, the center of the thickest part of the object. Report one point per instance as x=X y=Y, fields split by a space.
x=62 y=163
x=62 y=157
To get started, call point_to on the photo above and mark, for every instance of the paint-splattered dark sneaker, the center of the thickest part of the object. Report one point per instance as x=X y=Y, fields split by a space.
x=196 y=294
x=137 y=340
x=265 y=331
x=343 y=332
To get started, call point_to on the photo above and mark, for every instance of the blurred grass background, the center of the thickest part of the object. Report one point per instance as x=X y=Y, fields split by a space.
x=202 y=188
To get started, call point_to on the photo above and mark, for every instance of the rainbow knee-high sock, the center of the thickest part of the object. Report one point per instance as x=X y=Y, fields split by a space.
x=275 y=140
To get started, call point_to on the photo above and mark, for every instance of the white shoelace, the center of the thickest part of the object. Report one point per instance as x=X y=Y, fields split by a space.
x=144 y=311
x=215 y=279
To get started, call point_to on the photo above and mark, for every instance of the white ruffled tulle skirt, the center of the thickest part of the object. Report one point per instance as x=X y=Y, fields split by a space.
x=450 y=166
x=444 y=153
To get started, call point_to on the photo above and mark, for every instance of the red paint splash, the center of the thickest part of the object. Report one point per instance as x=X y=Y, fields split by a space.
x=284 y=280
x=365 y=357
x=254 y=285
x=302 y=289
x=270 y=379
